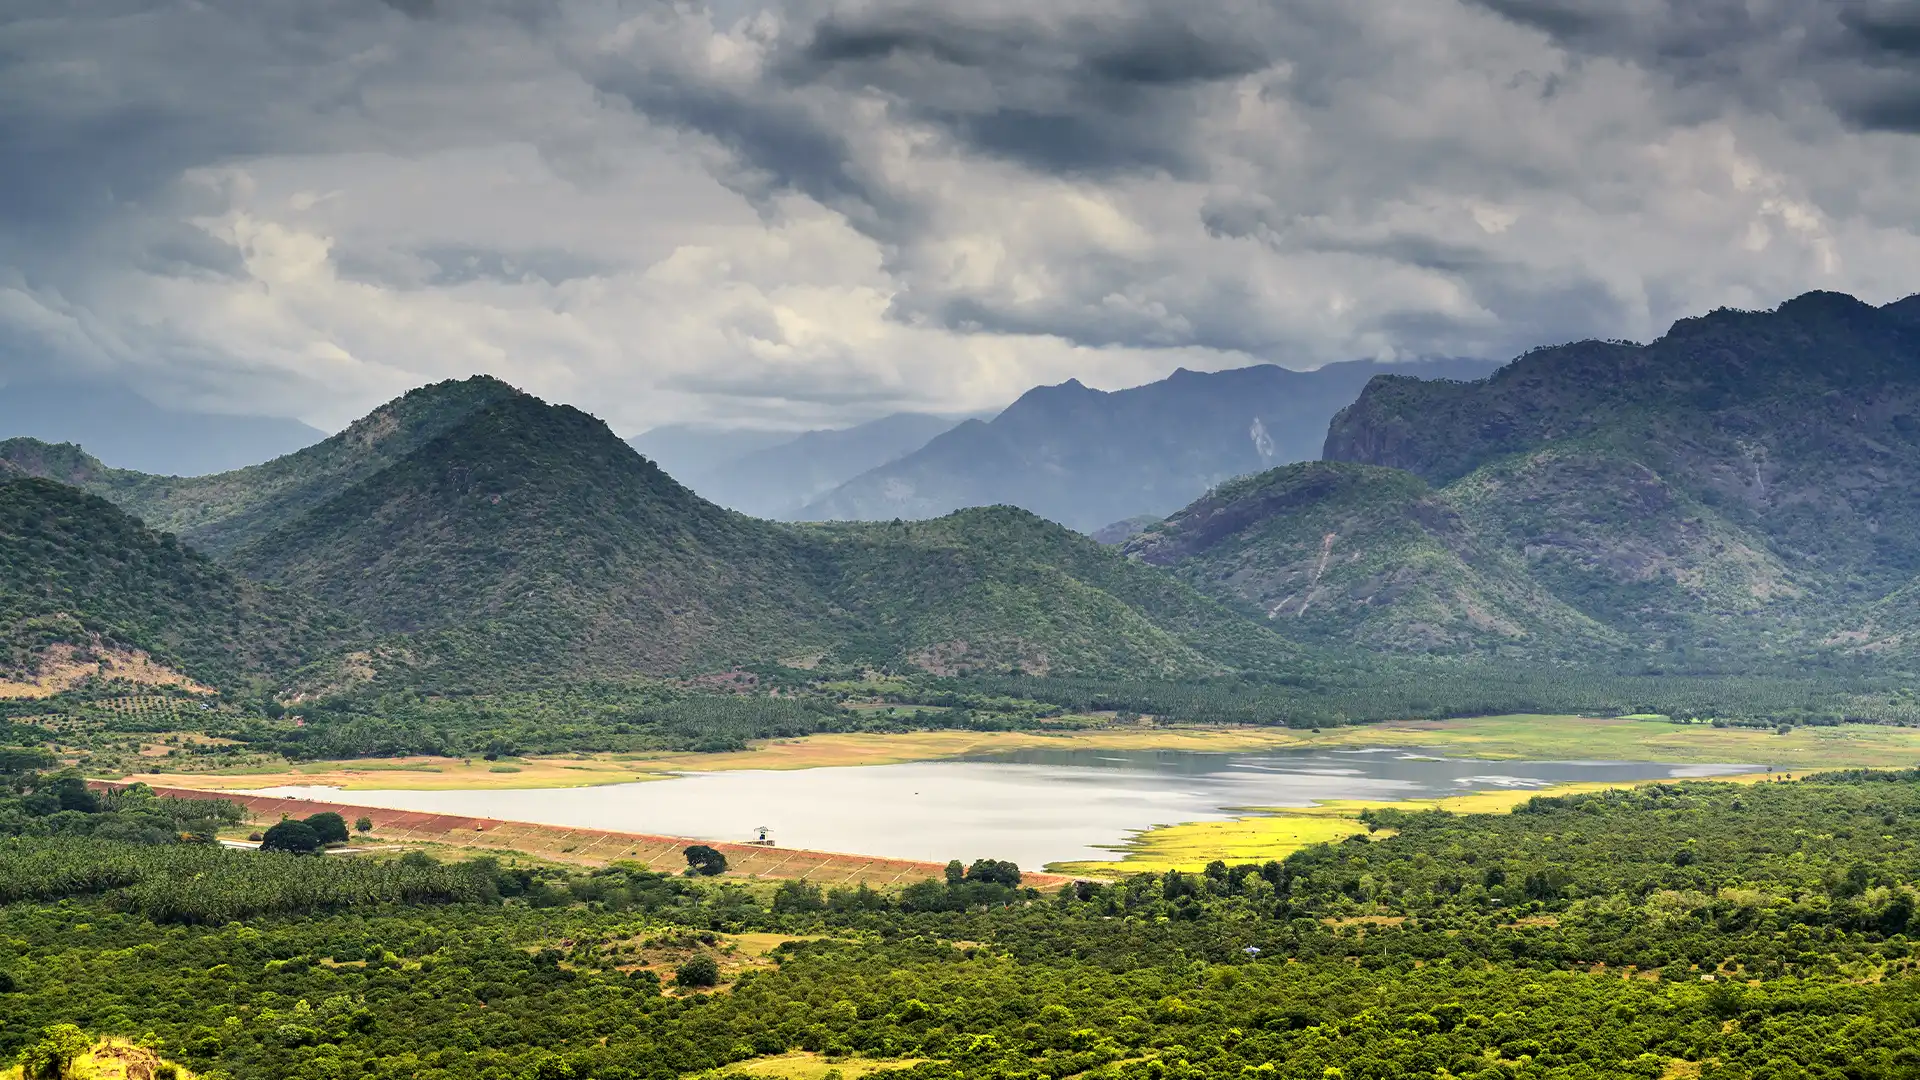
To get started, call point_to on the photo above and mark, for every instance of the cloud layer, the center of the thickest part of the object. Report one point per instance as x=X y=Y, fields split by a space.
x=822 y=210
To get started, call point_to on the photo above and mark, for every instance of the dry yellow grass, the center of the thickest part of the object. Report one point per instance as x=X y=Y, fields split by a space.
x=811 y=752
x=1495 y=737
x=112 y=1059
x=61 y=668
x=801 y=1065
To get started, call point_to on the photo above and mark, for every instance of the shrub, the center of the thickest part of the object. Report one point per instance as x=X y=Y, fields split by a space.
x=701 y=971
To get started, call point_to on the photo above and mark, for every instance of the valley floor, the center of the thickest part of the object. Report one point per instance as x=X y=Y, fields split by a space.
x=1515 y=737
x=1263 y=833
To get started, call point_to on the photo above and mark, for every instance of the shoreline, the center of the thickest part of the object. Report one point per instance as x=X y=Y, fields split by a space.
x=1492 y=738
x=1263 y=833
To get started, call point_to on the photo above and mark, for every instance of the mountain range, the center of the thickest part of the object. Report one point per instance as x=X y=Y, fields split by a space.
x=1089 y=458
x=776 y=476
x=1743 y=493
x=474 y=534
x=1746 y=489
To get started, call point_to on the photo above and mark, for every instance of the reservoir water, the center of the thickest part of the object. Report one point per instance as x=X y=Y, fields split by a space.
x=1032 y=806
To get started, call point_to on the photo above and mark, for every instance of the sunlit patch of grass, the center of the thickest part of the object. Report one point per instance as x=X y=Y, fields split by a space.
x=801 y=1065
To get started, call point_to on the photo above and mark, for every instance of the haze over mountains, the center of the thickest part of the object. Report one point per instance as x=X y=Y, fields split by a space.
x=1088 y=458
x=775 y=475
x=127 y=431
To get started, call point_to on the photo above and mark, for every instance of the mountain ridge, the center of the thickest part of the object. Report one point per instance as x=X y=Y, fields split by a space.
x=1745 y=487
x=1088 y=458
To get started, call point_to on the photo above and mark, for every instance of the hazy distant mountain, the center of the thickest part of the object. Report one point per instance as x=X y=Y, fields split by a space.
x=126 y=431
x=686 y=451
x=1087 y=458
x=743 y=471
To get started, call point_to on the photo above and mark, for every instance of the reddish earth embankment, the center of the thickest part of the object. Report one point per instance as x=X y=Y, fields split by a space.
x=595 y=847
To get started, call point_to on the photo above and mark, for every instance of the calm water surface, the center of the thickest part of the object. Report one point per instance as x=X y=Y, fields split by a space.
x=1031 y=806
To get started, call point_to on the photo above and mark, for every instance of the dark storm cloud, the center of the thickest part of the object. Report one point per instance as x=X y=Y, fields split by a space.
x=853 y=202
x=1857 y=55
x=1066 y=93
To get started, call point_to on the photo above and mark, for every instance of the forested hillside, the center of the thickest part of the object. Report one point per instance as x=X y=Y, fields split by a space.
x=80 y=578
x=527 y=542
x=1743 y=488
x=221 y=512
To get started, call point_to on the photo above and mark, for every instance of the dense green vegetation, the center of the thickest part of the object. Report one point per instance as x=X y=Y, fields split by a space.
x=1729 y=930
x=76 y=571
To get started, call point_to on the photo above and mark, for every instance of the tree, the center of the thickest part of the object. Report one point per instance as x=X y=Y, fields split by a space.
x=364 y=825
x=994 y=872
x=701 y=971
x=295 y=837
x=956 y=872
x=330 y=827
x=705 y=861
x=797 y=897
x=54 y=1054
x=16 y=760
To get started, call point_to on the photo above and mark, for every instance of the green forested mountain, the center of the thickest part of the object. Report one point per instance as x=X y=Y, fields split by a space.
x=525 y=540
x=76 y=571
x=1746 y=486
x=529 y=538
x=998 y=587
x=1366 y=555
x=221 y=512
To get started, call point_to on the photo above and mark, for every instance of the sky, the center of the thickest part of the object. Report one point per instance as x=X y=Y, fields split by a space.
x=815 y=212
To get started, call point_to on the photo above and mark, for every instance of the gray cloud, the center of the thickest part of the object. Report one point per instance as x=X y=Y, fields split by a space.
x=1855 y=55
x=815 y=211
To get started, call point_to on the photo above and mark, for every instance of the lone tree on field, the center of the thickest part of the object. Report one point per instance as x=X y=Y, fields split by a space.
x=364 y=825
x=294 y=837
x=705 y=861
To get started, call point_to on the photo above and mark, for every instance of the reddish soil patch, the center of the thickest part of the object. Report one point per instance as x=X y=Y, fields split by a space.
x=597 y=847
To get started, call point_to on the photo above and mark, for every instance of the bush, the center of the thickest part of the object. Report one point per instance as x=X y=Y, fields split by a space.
x=701 y=971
